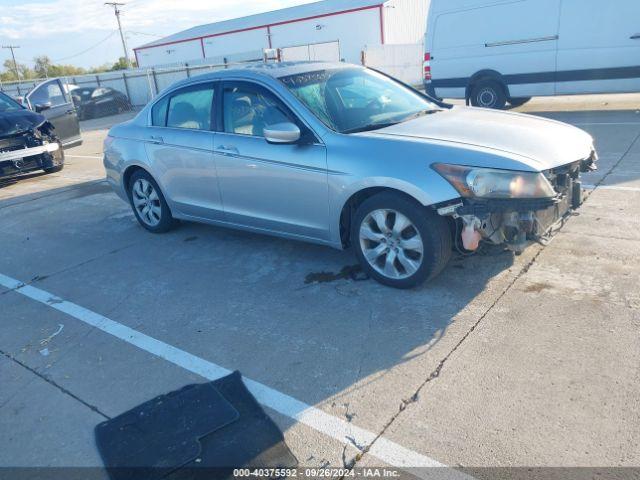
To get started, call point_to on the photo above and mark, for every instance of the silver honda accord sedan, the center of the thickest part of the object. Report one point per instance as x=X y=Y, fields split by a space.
x=345 y=156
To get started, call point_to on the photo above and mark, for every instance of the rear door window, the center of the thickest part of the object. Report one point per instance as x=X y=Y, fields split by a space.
x=191 y=108
x=159 y=113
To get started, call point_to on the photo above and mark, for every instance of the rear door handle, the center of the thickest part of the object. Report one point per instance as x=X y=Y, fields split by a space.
x=156 y=139
x=227 y=149
x=635 y=37
x=70 y=112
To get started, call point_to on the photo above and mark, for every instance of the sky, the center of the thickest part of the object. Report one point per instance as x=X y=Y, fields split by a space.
x=84 y=32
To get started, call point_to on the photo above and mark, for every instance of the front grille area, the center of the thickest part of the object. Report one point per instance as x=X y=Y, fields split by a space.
x=12 y=144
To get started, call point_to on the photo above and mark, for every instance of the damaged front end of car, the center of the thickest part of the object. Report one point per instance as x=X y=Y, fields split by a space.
x=511 y=207
x=27 y=148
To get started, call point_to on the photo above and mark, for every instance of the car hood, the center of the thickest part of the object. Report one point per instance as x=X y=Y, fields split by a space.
x=15 y=122
x=539 y=142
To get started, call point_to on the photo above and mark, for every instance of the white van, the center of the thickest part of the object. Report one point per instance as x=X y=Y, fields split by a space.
x=499 y=51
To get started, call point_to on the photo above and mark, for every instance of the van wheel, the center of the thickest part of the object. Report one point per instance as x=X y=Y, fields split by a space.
x=488 y=94
x=518 y=102
x=399 y=242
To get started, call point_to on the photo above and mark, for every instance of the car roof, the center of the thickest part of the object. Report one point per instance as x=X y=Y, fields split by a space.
x=267 y=69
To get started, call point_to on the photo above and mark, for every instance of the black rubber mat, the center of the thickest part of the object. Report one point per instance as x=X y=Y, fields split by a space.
x=202 y=431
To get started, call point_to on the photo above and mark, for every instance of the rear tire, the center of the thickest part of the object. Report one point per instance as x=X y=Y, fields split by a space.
x=488 y=94
x=399 y=242
x=148 y=203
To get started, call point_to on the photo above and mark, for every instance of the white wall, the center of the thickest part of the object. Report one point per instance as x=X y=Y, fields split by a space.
x=405 y=21
x=166 y=54
x=353 y=31
x=239 y=42
x=322 y=52
x=403 y=62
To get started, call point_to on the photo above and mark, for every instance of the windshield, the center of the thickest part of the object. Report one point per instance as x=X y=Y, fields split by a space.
x=7 y=104
x=350 y=100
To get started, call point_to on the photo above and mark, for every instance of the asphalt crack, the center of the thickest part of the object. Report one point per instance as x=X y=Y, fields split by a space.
x=55 y=385
x=615 y=166
x=39 y=278
x=438 y=370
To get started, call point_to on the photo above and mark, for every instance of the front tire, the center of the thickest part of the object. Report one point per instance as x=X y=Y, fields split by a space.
x=148 y=203
x=399 y=242
x=56 y=169
x=488 y=94
x=519 y=101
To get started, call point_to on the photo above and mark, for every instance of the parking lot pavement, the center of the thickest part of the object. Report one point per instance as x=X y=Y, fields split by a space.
x=503 y=360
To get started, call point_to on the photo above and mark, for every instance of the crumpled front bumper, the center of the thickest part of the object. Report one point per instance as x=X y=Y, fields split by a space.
x=29 y=152
x=517 y=222
x=21 y=160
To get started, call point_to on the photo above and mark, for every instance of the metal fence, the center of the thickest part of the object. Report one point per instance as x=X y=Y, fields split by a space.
x=139 y=85
x=108 y=93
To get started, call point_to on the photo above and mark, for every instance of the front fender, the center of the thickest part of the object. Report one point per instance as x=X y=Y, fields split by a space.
x=434 y=190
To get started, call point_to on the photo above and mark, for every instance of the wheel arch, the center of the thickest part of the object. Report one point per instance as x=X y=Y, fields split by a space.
x=486 y=74
x=350 y=206
x=128 y=173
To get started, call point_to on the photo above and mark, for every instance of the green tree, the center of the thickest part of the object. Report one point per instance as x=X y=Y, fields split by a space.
x=42 y=65
x=9 y=74
x=121 y=64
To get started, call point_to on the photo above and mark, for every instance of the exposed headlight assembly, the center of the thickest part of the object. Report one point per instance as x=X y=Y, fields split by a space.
x=475 y=182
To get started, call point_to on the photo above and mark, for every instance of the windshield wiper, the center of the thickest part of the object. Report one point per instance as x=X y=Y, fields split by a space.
x=378 y=126
x=371 y=126
x=419 y=114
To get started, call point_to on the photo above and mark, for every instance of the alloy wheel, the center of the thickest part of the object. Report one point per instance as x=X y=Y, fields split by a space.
x=391 y=244
x=146 y=202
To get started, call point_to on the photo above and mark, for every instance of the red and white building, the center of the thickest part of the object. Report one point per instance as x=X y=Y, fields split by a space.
x=335 y=30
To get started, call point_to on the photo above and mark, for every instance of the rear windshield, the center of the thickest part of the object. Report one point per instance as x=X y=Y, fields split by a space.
x=83 y=93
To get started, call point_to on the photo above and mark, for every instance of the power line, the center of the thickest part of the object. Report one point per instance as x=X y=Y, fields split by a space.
x=88 y=49
x=116 y=10
x=15 y=64
x=143 y=33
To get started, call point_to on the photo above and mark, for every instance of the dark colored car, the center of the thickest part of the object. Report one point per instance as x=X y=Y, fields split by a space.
x=93 y=102
x=27 y=141
x=53 y=101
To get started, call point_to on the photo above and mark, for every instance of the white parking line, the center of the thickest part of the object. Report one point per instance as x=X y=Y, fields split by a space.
x=611 y=187
x=346 y=433
x=82 y=156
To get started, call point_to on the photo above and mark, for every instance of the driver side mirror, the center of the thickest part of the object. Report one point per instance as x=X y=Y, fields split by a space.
x=282 y=133
x=41 y=107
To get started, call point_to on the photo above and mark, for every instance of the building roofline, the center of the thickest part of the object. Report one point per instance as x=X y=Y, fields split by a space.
x=258 y=27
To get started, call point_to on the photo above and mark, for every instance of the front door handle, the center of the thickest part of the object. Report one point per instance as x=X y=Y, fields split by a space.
x=156 y=139
x=635 y=37
x=71 y=112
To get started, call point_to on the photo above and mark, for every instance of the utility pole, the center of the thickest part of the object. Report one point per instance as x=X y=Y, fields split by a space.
x=116 y=10
x=15 y=64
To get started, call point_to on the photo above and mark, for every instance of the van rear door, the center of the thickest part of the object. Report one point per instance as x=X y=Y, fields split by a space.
x=599 y=47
